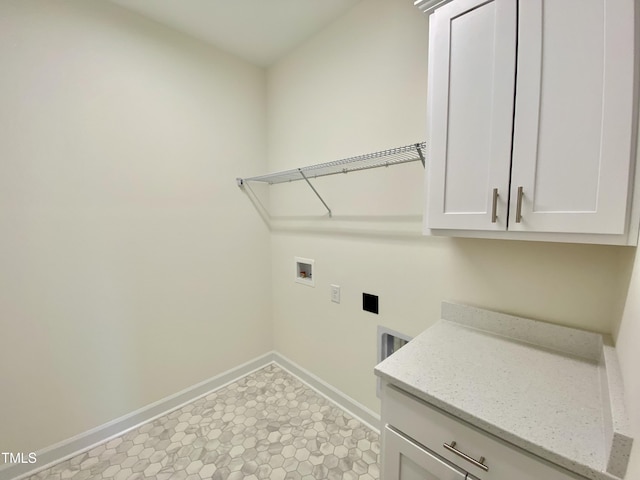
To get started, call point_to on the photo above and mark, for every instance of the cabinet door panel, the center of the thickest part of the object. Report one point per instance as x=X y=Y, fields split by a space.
x=472 y=69
x=572 y=127
x=407 y=460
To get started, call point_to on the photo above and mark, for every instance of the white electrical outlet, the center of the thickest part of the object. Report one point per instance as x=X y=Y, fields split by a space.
x=335 y=293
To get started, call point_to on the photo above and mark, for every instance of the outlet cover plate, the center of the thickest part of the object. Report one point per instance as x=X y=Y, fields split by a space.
x=335 y=293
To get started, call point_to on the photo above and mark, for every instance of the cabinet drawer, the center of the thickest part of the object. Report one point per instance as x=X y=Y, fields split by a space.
x=433 y=428
x=406 y=460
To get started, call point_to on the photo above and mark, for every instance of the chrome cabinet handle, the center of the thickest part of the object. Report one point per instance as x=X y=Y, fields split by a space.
x=494 y=207
x=478 y=463
x=519 y=205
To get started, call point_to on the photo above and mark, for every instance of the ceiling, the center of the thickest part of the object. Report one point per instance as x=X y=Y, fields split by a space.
x=260 y=31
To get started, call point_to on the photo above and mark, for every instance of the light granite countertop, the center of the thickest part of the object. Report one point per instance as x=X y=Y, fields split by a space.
x=551 y=390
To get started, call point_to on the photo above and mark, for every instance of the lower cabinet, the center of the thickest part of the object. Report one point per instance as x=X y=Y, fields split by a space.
x=423 y=442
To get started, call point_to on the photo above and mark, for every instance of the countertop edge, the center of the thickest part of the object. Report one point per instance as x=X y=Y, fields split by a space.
x=618 y=427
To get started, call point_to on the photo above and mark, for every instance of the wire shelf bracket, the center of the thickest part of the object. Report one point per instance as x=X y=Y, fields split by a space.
x=385 y=158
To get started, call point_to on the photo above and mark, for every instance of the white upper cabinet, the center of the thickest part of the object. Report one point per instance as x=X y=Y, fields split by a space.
x=531 y=109
x=472 y=64
x=573 y=117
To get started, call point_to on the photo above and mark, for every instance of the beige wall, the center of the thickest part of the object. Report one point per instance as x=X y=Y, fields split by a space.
x=627 y=336
x=129 y=258
x=131 y=265
x=358 y=87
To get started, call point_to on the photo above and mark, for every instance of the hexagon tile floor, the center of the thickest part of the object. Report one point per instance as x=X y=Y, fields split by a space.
x=267 y=425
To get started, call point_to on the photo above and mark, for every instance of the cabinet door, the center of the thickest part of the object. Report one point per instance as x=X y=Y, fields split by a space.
x=472 y=54
x=406 y=460
x=573 y=116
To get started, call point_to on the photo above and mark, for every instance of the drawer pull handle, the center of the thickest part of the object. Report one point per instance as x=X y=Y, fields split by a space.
x=477 y=463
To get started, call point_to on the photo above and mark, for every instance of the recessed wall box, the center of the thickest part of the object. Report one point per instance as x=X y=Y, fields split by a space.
x=304 y=271
x=388 y=342
x=370 y=303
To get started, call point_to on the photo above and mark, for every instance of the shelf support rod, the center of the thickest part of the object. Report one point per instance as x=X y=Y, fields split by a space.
x=419 y=148
x=315 y=191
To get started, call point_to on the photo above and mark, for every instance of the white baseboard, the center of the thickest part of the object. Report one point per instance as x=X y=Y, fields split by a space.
x=370 y=418
x=78 y=444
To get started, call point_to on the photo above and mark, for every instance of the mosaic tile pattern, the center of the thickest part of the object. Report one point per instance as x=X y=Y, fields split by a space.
x=267 y=425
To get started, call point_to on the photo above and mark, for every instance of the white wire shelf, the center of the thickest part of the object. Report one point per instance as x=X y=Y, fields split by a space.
x=385 y=158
